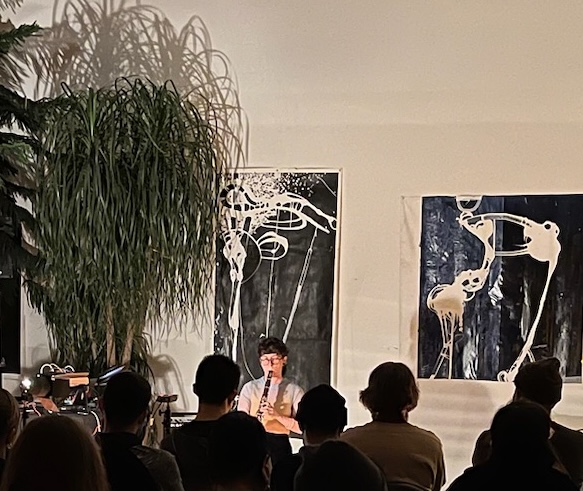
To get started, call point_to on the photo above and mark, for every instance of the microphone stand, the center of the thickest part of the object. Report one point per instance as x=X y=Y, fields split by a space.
x=166 y=412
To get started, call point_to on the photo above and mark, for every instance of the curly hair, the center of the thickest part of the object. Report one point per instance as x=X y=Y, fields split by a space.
x=391 y=390
x=272 y=345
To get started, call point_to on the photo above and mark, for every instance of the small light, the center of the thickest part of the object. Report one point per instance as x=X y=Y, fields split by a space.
x=26 y=383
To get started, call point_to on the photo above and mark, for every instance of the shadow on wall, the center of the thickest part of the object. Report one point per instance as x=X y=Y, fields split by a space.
x=168 y=376
x=91 y=43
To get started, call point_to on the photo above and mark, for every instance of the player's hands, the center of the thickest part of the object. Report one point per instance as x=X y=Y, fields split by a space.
x=267 y=411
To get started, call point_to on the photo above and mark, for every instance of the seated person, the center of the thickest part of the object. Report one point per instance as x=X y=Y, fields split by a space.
x=9 y=419
x=541 y=382
x=277 y=413
x=520 y=458
x=321 y=416
x=337 y=465
x=129 y=464
x=54 y=453
x=405 y=453
x=216 y=383
x=238 y=454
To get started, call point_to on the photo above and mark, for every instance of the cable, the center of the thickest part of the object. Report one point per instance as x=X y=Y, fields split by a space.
x=98 y=421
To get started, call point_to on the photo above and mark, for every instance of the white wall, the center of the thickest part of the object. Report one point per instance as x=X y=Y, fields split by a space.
x=407 y=97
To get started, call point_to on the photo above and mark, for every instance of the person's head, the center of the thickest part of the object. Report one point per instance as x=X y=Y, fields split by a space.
x=125 y=402
x=217 y=380
x=540 y=382
x=54 y=453
x=238 y=453
x=391 y=393
x=272 y=354
x=321 y=414
x=520 y=432
x=338 y=465
x=9 y=419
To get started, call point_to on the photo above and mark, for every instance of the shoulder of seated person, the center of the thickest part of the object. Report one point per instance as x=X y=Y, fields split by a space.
x=469 y=474
x=430 y=435
x=287 y=461
x=560 y=429
x=421 y=432
x=166 y=442
x=563 y=480
x=155 y=452
x=355 y=430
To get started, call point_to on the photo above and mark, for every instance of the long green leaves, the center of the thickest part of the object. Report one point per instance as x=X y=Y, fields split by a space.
x=16 y=149
x=126 y=217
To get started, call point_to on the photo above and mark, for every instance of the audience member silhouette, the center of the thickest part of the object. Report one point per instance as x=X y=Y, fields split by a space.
x=239 y=459
x=54 y=453
x=9 y=419
x=129 y=464
x=229 y=451
x=321 y=416
x=541 y=382
x=521 y=458
x=404 y=452
x=216 y=382
x=337 y=465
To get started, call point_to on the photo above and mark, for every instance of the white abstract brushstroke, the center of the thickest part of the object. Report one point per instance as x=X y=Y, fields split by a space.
x=447 y=301
x=264 y=200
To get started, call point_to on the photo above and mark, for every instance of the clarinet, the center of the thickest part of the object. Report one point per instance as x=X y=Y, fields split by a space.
x=265 y=394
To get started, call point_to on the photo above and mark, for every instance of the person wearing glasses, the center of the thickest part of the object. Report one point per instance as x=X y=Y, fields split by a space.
x=278 y=412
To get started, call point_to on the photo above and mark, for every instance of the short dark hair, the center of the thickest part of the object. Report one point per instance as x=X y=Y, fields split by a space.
x=323 y=410
x=540 y=382
x=338 y=465
x=126 y=396
x=391 y=389
x=520 y=432
x=237 y=449
x=217 y=376
x=272 y=345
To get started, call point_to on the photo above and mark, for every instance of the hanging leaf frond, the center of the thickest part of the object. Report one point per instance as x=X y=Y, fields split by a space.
x=12 y=37
x=10 y=4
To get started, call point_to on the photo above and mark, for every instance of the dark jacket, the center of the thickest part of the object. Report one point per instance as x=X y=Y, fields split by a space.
x=131 y=465
x=566 y=444
x=491 y=477
x=189 y=445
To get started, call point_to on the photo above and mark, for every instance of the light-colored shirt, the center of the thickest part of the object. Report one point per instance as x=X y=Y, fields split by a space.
x=404 y=452
x=284 y=396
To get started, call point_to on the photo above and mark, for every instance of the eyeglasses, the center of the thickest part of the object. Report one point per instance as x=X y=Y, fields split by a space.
x=274 y=360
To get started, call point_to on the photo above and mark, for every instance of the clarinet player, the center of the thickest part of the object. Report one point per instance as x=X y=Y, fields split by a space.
x=273 y=398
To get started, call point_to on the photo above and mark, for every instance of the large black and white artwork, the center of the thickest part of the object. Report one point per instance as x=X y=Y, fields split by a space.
x=276 y=269
x=501 y=284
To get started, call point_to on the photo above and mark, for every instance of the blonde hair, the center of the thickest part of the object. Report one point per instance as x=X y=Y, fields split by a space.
x=54 y=453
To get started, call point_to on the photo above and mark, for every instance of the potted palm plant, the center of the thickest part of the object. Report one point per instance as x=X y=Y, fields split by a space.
x=125 y=212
